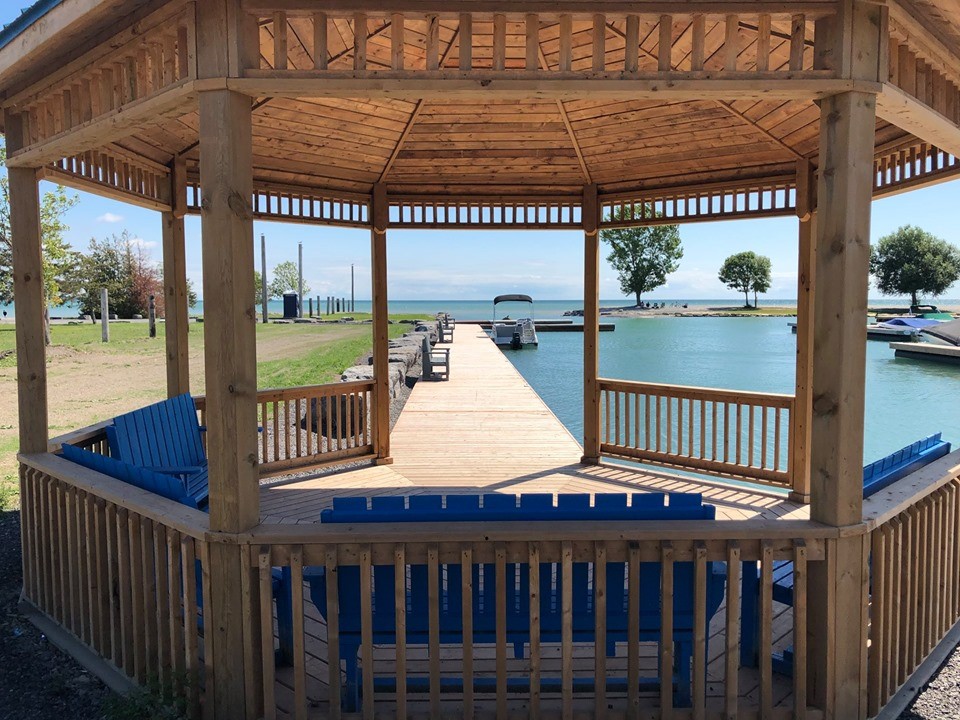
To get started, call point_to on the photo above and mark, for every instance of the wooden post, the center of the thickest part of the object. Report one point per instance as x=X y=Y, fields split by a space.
x=28 y=295
x=591 y=326
x=226 y=179
x=380 y=213
x=837 y=619
x=802 y=408
x=300 y=280
x=264 y=292
x=104 y=315
x=152 y=316
x=176 y=305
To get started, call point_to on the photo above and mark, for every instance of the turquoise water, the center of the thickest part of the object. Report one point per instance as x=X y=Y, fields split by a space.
x=906 y=399
x=483 y=310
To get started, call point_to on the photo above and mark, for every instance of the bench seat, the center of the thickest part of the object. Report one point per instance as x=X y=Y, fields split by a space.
x=531 y=508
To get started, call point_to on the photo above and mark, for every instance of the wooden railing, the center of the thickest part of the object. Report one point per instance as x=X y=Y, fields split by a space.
x=311 y=426
x=915 y=581
x=117 y=567
x=604 y=41
x=731 y=433
x=625 y=681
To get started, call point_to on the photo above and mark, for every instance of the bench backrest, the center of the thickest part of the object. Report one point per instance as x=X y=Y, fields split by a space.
x=426 y=364
x=166 y=486
x=534 y=507
x=165 y=434
x=878 y=475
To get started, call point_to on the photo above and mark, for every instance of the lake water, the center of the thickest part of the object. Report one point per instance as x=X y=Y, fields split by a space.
x=906 y=399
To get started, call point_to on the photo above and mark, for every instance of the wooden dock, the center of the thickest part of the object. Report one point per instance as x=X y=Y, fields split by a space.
x=487 y=430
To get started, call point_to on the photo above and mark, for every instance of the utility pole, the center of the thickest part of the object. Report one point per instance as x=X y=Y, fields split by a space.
x=300 y=283
x=352 y=306
x=264 y=295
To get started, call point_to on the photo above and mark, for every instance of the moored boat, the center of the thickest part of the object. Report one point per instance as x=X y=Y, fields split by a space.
x=518 y=333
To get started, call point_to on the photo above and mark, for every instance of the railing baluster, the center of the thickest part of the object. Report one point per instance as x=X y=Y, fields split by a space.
x=433 y=610
x=699 y=630
x=466 y=614
x=669 y=401
x=500 y=570
x=763 y=43
x=766 y=628
x=566 y=42
x=320 y=53
x=360 y=41
x=666 y=628
x=499 y=41
x=631 y=51
x=616 y=417
x=763 y=436
x=731 y=43
x=266 y=633
x=633 y=631
x=566 y=628
x=798 y=29
x=599 y=50
x=665 y=44
x=280 y=41
x=466 y=41
x=188 y=571
x=331 y=564
x=175 y=620
x=732 y=631
x=534 y=575
x=532 y=42
x=366 y=630
x=396 y=41
x=799 y=628
x=600 y=629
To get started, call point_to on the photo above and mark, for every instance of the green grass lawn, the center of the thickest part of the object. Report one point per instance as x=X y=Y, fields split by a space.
x=89 y=380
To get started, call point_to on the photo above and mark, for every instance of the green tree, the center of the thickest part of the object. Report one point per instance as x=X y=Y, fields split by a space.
x=123 y=266
x=913 y=262
x=642 y=256
x=286 y=278
x=257 y=287
x=58 y=259
x=763 y=277
x=746 y=272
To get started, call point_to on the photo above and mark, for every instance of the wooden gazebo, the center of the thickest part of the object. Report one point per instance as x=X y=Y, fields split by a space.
x=489 y=114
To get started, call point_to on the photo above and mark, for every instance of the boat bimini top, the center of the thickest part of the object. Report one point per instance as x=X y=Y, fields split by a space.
x=512 y=298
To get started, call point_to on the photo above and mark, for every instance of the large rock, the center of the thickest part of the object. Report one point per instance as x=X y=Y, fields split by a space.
x=397 y=370
x=406 y=355
x=355 y=405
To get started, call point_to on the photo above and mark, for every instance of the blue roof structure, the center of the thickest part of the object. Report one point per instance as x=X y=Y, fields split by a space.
x=27 y=17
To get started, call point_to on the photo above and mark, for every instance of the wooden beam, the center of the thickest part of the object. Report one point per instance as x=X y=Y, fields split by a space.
x=380 y=213
x=837 y=646
x=756 y=126
x=113 y=126
x=226 y=170
x=803 y=403
x=28 y=289
x=590 y=213
x=906 y=112
x=176 y=306
x=542 y=7
x=566 y=121
x=453 y=85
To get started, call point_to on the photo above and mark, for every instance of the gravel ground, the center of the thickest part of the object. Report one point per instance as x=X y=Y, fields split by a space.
x=940 y=698
x=37 y=681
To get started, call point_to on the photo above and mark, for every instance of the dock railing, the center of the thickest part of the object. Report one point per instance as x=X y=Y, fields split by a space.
x=730 y=433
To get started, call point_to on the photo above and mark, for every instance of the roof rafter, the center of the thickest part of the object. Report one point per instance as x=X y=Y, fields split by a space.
x=728 y=107
x=566 y=122
x=418 y=108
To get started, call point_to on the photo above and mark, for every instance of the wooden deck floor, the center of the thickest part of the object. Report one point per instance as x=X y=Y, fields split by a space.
x=486 y=430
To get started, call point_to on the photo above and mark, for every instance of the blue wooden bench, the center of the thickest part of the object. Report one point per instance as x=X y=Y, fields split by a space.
x=532 y=508
x=164 y=437
x=876 y=476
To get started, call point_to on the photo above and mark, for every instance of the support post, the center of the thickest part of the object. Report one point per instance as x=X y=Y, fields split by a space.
x=264 y=293
x=838 y=614
x=591 y=326
x=28 y=296
x=300 y=280
x=226 y=179
x=176 y=304
x=802 y=407
x=381 y=338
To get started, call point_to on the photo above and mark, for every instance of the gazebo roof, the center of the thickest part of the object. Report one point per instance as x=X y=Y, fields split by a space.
x=472 y=144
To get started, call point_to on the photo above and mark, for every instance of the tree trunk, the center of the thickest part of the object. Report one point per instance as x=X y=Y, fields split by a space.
x=638 y=299
x=46 y=326
x=746 y=298
x=913 y=297
x=755 y=304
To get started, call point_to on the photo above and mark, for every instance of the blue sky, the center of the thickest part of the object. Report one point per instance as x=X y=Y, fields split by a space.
x=475 y=265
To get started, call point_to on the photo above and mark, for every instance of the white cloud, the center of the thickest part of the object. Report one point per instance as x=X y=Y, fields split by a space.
x=110 y=218
x=140 y=242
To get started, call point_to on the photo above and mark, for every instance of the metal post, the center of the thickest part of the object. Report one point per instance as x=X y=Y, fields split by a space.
x=152 y=316
x=264 y=295
x=311 y=307
x=300 y=282
x=104 y=315
x=353 y=307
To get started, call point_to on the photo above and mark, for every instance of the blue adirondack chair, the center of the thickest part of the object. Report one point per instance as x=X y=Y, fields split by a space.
x=876 y=476
x=532 y=508
x=164 y=437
